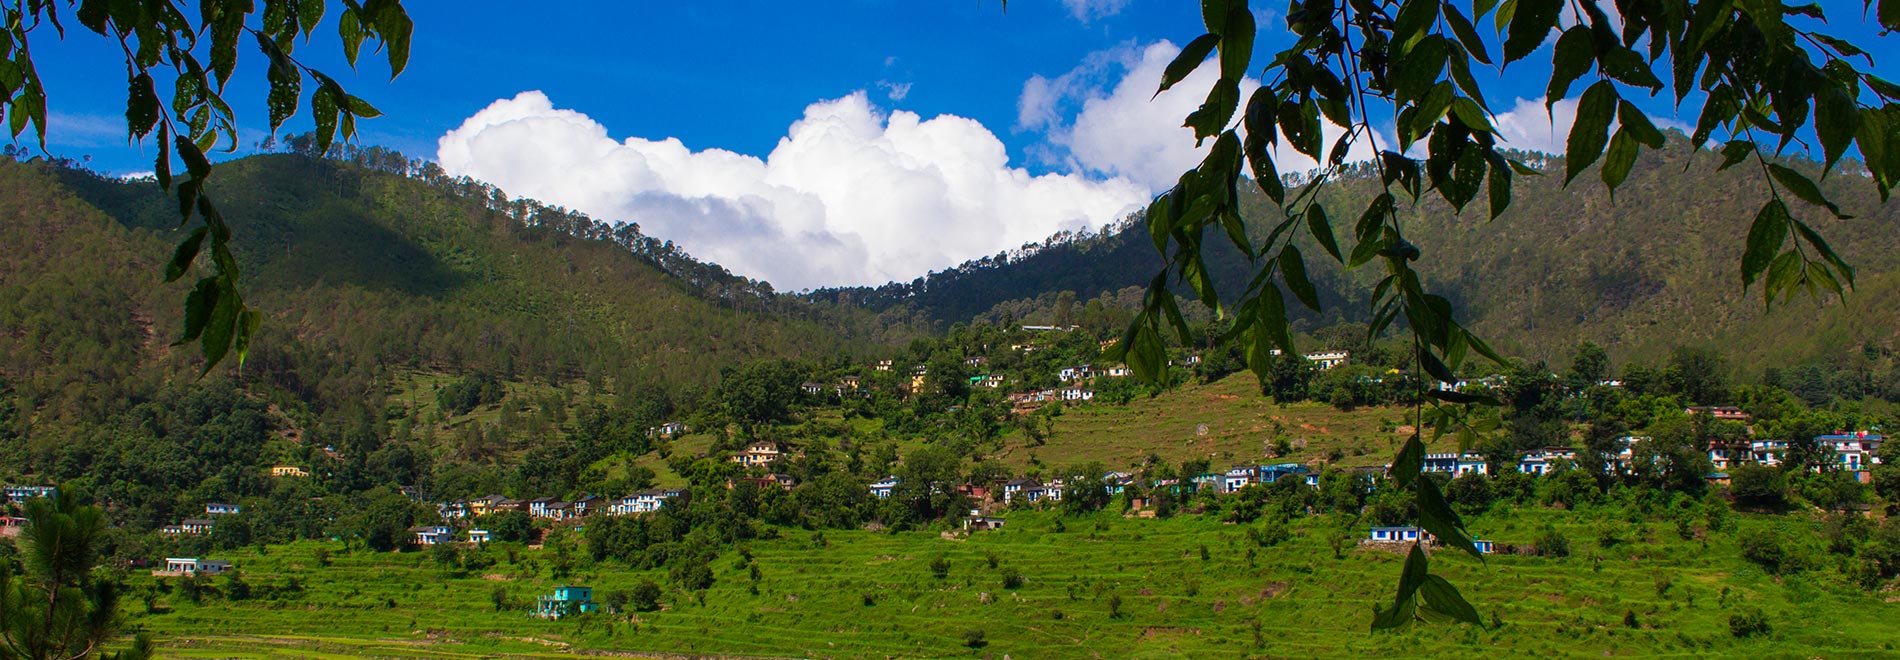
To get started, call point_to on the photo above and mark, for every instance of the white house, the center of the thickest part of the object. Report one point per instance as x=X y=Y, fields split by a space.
x=222 y=509
x=193 y=566
x=1074 y=373
x=1119 y=371
x=538 y=507
x=1077 y=394
x=1016 y=487
x=22 y=493
x=1393 y=535
x=479 y=536
x=646 y=501
x=432 y=534
x=1456 y=464
x=883 y=487
x=1768 y=452
x=1328 y=359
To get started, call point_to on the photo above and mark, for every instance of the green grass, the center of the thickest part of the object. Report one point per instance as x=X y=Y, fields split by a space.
x=1241 y=426
x=811 y=599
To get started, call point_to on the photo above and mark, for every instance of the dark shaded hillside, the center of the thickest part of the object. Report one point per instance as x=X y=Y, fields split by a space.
x=1652 y=269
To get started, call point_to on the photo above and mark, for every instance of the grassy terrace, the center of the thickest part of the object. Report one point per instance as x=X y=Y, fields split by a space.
x=1240 y=426
x=871 y=595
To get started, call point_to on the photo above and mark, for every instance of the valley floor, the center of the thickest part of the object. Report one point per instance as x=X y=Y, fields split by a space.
x=1094 y=586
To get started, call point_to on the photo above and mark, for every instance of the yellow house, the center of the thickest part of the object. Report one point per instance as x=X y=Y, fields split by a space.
x=288 y=471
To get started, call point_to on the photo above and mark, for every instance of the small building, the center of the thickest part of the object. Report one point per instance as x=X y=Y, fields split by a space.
x=1077 y=394
x=10 y=526
x=482 y=506
x=812 y=388
x=667 y=430
x=195 y=526
x=222 y=509
x=453 y=510
x=538 y=507
x=24 y=493
x=982 y=523
x=1328 y=359
x=646 y=501
x=758 y=454
x=1016 y=487
x=1456 y=464
x=883 y=487
x=288 y=471
x=1484 y=547
x=882 y=365
x=1718 y=412
x=565 y=601
x=560 y=510
x=431 y=535
x=1119 y=371
x=1393 y=535
x=176 y=566
x=587 y=505
x=479 y=536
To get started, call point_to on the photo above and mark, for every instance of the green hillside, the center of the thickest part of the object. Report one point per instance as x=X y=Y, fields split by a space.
x=1654 y=268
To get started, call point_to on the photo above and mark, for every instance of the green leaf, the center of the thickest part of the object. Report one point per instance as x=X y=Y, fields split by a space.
x=1590 y=132
x=1836 y=120
x=309 y=13
x=1820 y=245
x=1404 y=603
x=1637 y=123
x=1208 y=120
x=1530 y=26
x=247 y=324
x=394 y=26
x=1190 y=58
x=1499 y=184
x=1409 y=461
x=198 y=305
x=1735 y=152
x=1415 y=73
x=141 y=105
x=1414 y=17
x=1802 y=187
x=1781 y=275
x=1467 y=36
x=1436 y=516
x=162 y=166
x=1236 y=42
x=1889 y=14
x=196 y=164
x=1764 y=240
x=1441 y=597
x=1322 y=230
x=221 y=328
x=1572 y=59
x=1293 y=269
x=186 y=253
x=349 y=28
x=1619 y=159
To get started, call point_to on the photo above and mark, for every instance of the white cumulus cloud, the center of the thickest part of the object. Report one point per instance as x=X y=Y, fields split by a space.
x=1528 y=126
x=1089 y=10
x=851 y=195
x=1120 y=128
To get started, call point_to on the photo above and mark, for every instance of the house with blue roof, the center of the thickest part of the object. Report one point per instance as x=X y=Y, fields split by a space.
x=565 y=601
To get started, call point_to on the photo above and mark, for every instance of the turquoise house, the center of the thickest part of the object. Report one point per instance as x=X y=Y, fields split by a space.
x=565 y=601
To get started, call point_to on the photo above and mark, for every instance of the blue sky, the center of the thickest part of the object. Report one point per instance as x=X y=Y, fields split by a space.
x=811 y=144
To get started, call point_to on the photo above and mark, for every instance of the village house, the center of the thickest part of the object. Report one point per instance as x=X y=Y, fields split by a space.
x=1015 y=487
x=1050 y=328
x=222 y=509
x=1077 y=394
x=565 y=601
x=882 y=365
x=667 y=430
x=917 y=375
x=288 y=471
x=453 y=510
x=1395 y=535
x=758 y=454
x=1484 y=547
x=195 y=526
x=1053 y=491
x=981 y=523
x=812 y=388
x=1119 y=371
x=1328 y=359
x=1074 y=373
x=883 y=487
x=991 y=381
x=1719 y=412
x=177 y=566
x=1853 y=452
x=24 y=493
x=560 y=510
x=977 y=361
x=431 y=535
x=646 y=501
x=1456 y=464
x=1768 y=452
x=849 y=383
x=586 y=505
x=538 y=507
x=483 y=506
x=10 y=526
x=479 y=536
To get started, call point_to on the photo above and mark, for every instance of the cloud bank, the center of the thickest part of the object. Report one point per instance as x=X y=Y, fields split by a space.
x=851 y=195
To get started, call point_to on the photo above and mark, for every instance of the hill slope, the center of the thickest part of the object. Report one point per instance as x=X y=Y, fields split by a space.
x=1653 y=268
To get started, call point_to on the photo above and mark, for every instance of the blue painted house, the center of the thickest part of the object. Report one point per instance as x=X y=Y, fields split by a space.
x=566 y=601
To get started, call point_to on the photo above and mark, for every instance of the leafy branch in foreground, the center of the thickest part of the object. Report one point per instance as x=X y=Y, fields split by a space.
x=1754 y=62
x=56 y=609
x=160 y=39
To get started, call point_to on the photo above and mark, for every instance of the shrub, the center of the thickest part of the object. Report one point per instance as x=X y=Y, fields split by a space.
x=1114 y=606
x=973 y=638
x=1553 y=543
x=1012 y=578
x=1763 y=547
x=940 y=567
x=1758 y=486
x=1748 y=623
x=645 y=596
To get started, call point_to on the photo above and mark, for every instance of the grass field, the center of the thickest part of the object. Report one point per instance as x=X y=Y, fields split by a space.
x=1239 y=425
x=860 y=594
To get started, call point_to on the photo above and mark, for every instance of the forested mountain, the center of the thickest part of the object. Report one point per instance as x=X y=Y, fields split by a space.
x=373 y=272
x=1652 y=269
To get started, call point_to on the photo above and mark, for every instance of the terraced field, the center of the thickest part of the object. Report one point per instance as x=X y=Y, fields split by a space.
x=1095 y=586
